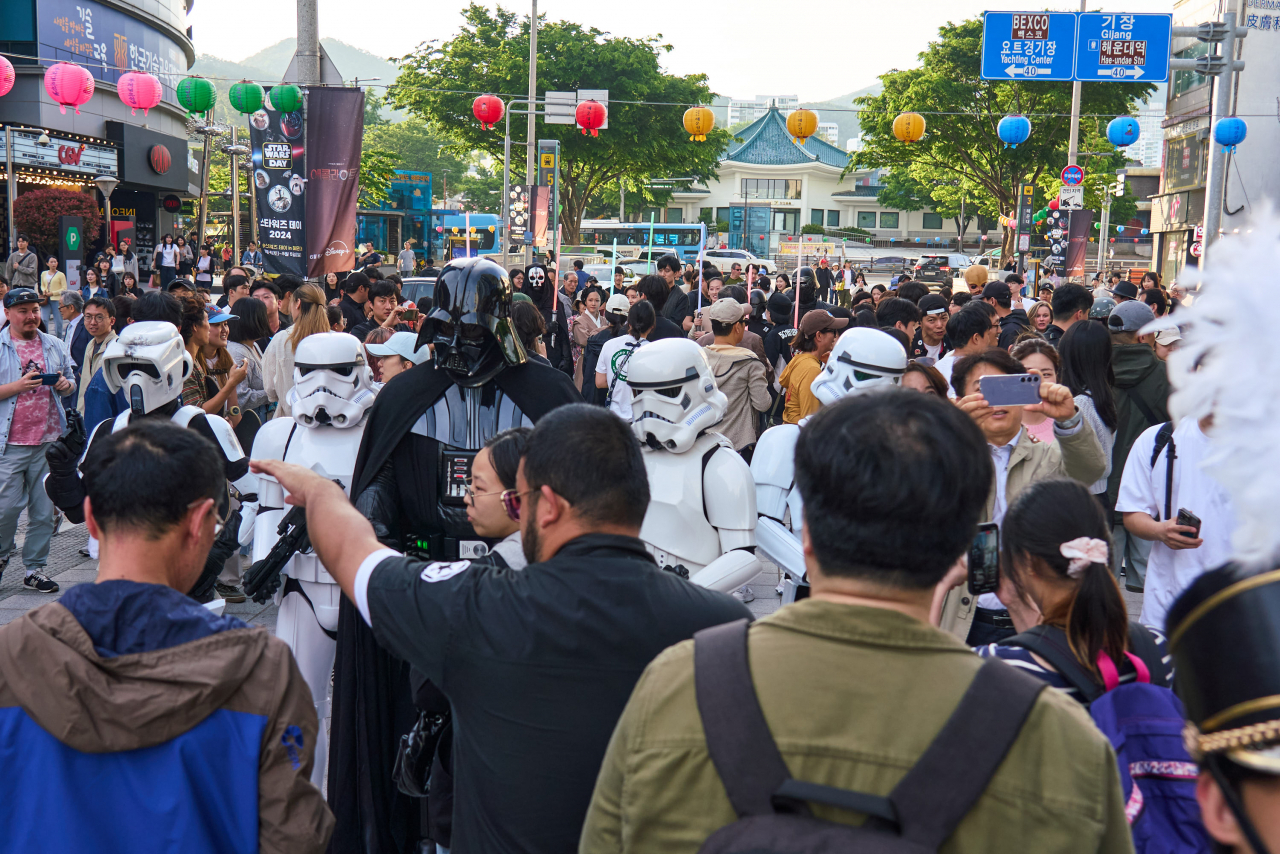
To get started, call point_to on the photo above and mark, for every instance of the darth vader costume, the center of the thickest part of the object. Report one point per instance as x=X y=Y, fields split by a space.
x=410 y=478
x=540 y=286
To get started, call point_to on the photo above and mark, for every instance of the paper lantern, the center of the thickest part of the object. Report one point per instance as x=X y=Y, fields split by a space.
x=698 y=122
x=591 y=116
x=1230 y=132
x=802 y=124
x=1122 y=131
x=139 y=91
x=1113 y=240
x=1013 y=130
x=909 y=127
x=246 y=97
x=286 y=98
x=7 y=76
x=488 y=110
x=1119 y=229
x=1053 y=204
x=1146 y=231
x=197 y=95
x=68 y=85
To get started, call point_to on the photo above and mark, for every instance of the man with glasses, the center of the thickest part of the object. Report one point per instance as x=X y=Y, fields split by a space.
x=99 y=320
x=537 y=665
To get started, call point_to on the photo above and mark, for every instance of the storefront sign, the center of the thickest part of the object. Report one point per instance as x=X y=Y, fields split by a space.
x=108 y=43
x=68 y=155
x=1183 y=160
x=171 y=203
x=160 y=159
x=143 y=151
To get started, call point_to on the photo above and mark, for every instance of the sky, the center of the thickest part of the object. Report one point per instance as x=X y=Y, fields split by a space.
x=746 y=47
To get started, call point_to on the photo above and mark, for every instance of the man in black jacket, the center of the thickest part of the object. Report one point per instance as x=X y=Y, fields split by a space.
x=537 y=664
x=1071 y=304
x=676 y=307
x=355 y=293
x=1012 y=320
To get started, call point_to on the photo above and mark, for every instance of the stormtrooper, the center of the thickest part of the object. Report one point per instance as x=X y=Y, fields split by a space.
x=149 y=362
x=331 y=396
x=540 y=286
x=702 y=506
x=862 y=360
x=410 y=479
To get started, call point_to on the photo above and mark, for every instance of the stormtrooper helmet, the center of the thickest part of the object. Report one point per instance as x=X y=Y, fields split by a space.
x=674 y=394
x=470 y=322
x=863 y=359
x=332 y=384
x=149 y=361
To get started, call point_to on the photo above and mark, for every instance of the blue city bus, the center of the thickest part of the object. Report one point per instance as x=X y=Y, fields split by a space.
x=682 y=239
x=408 y=215
x=448 y=235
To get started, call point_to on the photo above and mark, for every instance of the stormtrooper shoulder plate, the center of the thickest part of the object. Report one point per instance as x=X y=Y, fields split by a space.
x=213 y=427
x=272 y=437
x=773 y=467
x=728 y=489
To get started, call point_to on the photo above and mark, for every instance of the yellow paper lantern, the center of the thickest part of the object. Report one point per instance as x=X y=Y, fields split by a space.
x=909 y=127
x=699 y=121
x=802 y=124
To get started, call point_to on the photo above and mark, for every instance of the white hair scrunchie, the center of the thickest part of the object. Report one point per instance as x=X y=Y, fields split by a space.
x=1083 y=551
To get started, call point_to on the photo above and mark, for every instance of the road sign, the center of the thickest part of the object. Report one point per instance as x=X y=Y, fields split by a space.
x=1120 y=46
x=1197 y=249
x=1072 y=175
x=1071 y=198
x=1199 y=233
x=1030 y=45
x=1024 y=242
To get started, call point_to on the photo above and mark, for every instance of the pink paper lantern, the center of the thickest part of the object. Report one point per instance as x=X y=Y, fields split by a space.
x=139 y=91
x=7 y=76
x=69 y=85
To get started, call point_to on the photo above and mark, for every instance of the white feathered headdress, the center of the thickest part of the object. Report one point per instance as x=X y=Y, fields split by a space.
x=1226 y=367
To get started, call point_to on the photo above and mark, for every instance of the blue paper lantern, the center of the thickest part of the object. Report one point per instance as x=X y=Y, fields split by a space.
x=917 y=240
x=1230 y=132
x=1146 y=231
x=1123 y=131
x=1013 y=130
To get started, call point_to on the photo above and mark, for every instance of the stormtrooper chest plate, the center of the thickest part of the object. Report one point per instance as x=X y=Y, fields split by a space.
x=675 y=527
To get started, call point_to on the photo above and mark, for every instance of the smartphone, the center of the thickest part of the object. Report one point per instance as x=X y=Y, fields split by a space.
x=1186 y=517
x=49 y=379
x=984 y=560
x=409 y=315
x=1010 y=389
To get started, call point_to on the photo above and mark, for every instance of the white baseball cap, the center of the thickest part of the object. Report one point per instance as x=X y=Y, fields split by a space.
x=401 y=344
x=618 y=304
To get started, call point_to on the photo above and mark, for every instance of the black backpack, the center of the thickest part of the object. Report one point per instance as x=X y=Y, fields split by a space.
x=920 y=813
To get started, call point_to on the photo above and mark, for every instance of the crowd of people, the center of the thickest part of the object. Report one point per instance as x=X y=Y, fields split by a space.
x=497 y=482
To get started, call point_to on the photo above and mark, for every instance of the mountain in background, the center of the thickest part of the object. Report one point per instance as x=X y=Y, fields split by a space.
x=269 y=64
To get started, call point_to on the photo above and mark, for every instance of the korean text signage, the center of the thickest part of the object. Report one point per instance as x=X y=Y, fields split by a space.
x=519 y=216
x=1090 y=46
x=107 y=42
x=69 y=155
x=335 y=125
x=279 y=156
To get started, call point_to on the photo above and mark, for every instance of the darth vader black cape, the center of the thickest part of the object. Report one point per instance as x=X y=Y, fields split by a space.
x=372 y=703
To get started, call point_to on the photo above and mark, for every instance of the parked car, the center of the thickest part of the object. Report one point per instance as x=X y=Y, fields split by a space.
x=416 y=287
x=725 y=258
x=891 y=263
x=636 y=267
x=992 y=262
x=942 y=268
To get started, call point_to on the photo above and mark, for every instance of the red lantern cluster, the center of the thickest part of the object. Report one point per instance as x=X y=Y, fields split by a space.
x=591 y=116
x=488 y=110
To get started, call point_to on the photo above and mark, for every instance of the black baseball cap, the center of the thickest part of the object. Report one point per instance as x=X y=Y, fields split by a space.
x=20 y=296
x=932 y=304
x=997 y=290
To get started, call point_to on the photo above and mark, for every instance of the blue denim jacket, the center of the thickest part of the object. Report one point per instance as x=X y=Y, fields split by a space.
x=56 y=358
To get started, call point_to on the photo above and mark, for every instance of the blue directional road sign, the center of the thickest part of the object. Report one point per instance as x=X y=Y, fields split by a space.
x=1121 y=47
x=1028 y=45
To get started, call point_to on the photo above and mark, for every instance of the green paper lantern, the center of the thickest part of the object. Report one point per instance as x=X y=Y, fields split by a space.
x=197 y=95
x=246 y=97
x=286 y=98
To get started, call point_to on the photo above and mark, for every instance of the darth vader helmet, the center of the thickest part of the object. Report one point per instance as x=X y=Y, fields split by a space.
x=470 y=322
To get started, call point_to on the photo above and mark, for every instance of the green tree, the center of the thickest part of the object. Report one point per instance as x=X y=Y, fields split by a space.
x=491 y=54
x=419 y=150
x=961 y=154
x=376 y=170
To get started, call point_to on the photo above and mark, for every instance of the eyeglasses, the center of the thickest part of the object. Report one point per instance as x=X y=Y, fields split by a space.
x=220 y=516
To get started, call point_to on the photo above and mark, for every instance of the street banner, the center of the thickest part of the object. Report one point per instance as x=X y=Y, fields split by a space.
x=335 y=126
x=278 y=145
x=1078 y=241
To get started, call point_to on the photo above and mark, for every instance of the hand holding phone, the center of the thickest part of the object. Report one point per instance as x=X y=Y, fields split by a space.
x=49 y=379
x=1010 y=389
x=984 y=560
x=1191 y=520
x=410 y=315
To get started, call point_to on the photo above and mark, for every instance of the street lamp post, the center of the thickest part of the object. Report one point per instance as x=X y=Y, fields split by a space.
x=106 y=185
x=1116 y=189
x=235 y=151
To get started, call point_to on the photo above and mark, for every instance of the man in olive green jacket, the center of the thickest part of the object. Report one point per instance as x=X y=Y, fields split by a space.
x=1075 y=453
x=854 y=682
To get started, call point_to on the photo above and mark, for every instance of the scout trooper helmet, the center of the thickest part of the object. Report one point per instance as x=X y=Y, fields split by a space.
x=332 y=383
x=674 y=394
x=149 y=362
x=863 y=359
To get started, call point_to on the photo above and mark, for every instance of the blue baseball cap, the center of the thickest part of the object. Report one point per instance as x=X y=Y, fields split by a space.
x=218 y=315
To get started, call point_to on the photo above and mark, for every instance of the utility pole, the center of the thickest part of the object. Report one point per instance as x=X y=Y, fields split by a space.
x=1073 y=146
x=531 y=149
x=1223 y=93
x=308 y=52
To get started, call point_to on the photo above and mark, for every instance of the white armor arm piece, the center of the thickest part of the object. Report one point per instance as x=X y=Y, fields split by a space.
x=777 y=499
x=731 y=510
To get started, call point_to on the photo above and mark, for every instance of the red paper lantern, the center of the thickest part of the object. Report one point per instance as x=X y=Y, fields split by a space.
x=68 y=85
x=1113 y=240
x=488 y=110
x=1053 y=204
x=591 y=116
x=139 y=91
x=7 y=76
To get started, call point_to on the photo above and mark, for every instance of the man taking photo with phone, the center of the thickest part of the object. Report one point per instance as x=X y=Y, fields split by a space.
x=387 y=312
x=35 y=371
x=1020 y=460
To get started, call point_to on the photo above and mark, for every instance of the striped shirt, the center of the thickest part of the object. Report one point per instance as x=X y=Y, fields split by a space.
x=1024 y=660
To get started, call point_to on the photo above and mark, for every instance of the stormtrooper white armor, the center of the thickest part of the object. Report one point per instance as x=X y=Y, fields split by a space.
x=702 y=509
x=862 y=360
x=149 y=361
x=332 y=392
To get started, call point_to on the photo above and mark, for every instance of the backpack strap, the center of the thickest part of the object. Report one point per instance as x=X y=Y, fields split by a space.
x=1050 y=643
x=1164 y=437
x=941 y=788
